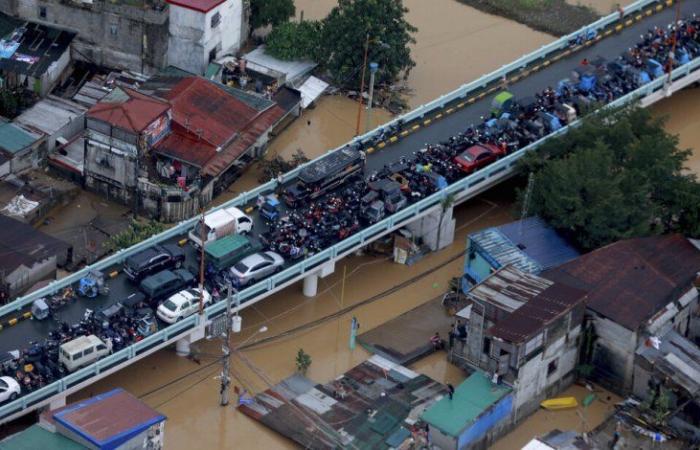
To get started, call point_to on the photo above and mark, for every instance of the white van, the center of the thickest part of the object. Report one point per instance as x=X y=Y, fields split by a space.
x=83 y=351
x=221 y=223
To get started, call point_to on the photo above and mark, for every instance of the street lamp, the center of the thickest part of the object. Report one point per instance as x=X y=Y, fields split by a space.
x=362 y=82
x=373 y=67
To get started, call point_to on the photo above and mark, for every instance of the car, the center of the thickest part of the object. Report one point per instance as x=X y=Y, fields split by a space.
x=181 y=305
x=164 y=284
x=256 y=267
x=9 y=389
x=153 y=260
x=477 y=156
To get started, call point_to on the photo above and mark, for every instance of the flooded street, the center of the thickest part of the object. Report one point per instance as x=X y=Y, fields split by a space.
x=682 y=111
x=188 y=392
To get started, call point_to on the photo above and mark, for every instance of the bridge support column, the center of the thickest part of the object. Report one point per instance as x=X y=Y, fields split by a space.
x=57 y=402
x=427 y=228
x=311 y=285
x=182 y=346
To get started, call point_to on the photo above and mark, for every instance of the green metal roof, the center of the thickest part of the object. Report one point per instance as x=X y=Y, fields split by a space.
x=222 y=247
x=471 y=399
x=36 y=437
x=14 y=139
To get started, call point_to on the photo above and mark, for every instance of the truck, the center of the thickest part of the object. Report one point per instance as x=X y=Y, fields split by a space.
x=226 y=252
x=323 y=175
x=220 y=223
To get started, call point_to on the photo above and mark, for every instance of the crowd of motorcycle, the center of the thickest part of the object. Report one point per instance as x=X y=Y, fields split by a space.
x=318 y=224
x=511 y=125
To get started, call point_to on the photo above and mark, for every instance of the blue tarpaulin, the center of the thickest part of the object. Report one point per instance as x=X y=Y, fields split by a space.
x=8 y=48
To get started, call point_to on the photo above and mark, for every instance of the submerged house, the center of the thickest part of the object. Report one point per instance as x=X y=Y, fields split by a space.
x=637 y=288
x=524 y=330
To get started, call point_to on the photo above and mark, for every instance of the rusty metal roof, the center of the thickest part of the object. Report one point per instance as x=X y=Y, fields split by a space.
x=631 y=280
x=128 y=109
x=186 y=147
x=509 y=288
x=531 y=318
x=110 y=419
x=202 y=6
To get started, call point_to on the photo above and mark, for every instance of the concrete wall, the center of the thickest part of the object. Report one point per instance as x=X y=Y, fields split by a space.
x=23 y=277
x=160 y=202
x=192 y=36
x=110 y=172
x=112 y=35
x=613 y=356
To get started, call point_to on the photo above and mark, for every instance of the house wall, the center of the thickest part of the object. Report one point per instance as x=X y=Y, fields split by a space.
x=192 y=36
x=613 y=355
x=171 y=204
x=54 y=73
x=488 y=426
x=110 y=168
x=109 y=34
x=475 y=265
x=5 y=168
x=23 y=277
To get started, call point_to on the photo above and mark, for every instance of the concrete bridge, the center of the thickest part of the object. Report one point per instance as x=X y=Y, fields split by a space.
x=441 y=118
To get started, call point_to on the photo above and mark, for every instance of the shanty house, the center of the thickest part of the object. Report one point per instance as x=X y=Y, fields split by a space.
x=637 y=288
x=32 y=55
x=20 y=149
x=530 y=245
x=524 y=330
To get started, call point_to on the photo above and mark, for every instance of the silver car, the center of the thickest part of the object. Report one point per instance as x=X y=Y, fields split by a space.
x=256 y=267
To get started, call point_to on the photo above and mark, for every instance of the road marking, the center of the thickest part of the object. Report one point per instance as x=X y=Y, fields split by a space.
x=618 y=27
x=669 y=2
x=404 y=132
x=460 y=105
x=381 y=145
x=659 y=7
x=449 y=111
x=370 y=150
x=638 y=17
x=427 y=121
x=116 y=272
x=535 y=69
x=27 y=315
x=182 y=242
x=471 y=100
x=415 y=127
x=608 y=32
x=648 y=12
x=437 y=116
x=546 y=63
x=393 y=139
x=629 y=22
x=12 y=322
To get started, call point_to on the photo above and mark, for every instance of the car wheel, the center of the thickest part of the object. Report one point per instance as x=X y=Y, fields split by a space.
x=13 y=396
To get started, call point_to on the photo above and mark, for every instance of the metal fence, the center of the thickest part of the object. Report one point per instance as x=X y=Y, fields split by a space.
x=464 y=189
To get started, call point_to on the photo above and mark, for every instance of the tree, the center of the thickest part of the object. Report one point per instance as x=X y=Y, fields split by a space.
x=270 y=12
x=303 y=361
x=619 y=175
x=345 y=32
x=137 y=232
x=295 y=40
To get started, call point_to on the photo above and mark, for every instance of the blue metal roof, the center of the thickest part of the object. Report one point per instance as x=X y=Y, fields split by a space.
x=529 y=245
x=14 y=139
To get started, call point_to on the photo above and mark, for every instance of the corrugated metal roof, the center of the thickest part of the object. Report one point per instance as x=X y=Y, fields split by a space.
x=632 y=280
x=36 y=437
x=50 y=115
x=503 y=251
x=676 y=358
x=14 y=139
x=539 y=241
x=509 y=288
x=532 y=317
x=186 y=147
x=291 y=69
x=310 y=90
x=472 y=398
x=128 y=109
x=109 y=419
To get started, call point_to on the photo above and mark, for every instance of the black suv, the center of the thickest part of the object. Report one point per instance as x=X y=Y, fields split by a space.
x=153 y=260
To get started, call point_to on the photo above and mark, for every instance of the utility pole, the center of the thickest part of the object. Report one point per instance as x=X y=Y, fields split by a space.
x=373 y=66
x=362 y=87
x=225 y=380
x=201 y=264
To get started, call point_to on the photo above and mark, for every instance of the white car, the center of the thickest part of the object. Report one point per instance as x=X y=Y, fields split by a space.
x=256 y=267
x=181 y=305
x=9 y=389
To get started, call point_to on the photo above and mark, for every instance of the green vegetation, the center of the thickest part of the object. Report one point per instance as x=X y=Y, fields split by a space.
x=619 y=175
x=556 y=17
x=270 y=12
x=137 y=232
x=338 y=42
x=303 y=361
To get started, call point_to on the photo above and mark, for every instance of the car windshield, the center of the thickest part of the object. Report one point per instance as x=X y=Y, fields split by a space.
x=468 y=156
x=267 y=257
x=170 y=305
x=198 y=229
x=240 y=267
x=3 y=384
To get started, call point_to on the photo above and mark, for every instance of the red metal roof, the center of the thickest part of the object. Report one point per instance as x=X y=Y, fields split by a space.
x=186 y=147
x=202 y=107
x=197 y=5
x=631 y=280
x=128 y=109
x=243 y=141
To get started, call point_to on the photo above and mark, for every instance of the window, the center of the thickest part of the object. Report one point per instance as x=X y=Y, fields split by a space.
x=486 y=349
x=101 y=347
x=113 y=29
x=215 y=19
x=77 y=355
x=88 y=351
x=552 y=367
x=212 y=54
x=42 y=12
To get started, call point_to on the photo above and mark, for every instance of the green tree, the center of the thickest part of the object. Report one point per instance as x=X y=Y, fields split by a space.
x=135 y=233
x=303 y=361
x=270 y=12
x=345 y=32
x=619 y=175
x=295 y=40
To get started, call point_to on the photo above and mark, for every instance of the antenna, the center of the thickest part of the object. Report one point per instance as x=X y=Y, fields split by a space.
x=526 y=201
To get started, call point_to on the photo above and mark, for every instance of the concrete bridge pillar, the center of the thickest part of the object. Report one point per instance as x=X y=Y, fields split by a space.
x=57 y=402
x=311 y=285
x=182 y=346
x=427 y=228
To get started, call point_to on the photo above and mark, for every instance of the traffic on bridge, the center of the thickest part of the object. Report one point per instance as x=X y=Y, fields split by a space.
x=338 y=196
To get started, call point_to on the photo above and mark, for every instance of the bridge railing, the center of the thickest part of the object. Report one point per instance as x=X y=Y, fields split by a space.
x=472 y=182
x=246 y=197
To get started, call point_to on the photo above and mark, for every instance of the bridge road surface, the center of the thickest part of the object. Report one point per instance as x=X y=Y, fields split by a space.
x=20 y=335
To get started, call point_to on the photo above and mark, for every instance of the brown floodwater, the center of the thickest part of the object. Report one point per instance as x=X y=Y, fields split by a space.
x=188 y=392
x=682 y=112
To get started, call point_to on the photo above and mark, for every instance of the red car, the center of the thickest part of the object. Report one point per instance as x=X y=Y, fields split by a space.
x=478 y=156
